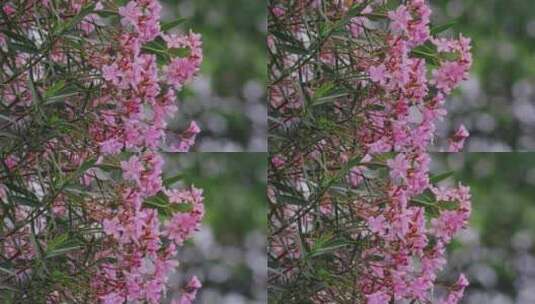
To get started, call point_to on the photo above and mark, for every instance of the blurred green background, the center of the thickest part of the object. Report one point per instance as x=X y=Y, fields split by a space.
x=497 y=251
x=497 y=104
x=228 y=97
x=229 y=253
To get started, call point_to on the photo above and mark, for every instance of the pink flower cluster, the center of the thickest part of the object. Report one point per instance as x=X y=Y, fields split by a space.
x=373 y=87
x=182 y=69
x=404 y=100
x=414 y=102
x=137 y=100
x=134 y=109
x=406 y=225
x=136 y=251
x=408 y=249
x=143 y=248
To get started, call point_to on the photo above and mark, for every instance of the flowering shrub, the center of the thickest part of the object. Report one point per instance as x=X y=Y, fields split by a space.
x=356 y=90
x=86 y=87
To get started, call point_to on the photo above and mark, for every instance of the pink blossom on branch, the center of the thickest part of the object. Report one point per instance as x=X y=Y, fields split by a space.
x=141 y=96
x=104 y=142
x=456 y=142
x=353 y=110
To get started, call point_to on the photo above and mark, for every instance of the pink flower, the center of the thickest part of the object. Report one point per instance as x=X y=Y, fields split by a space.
x=111 y=73
x=179 y=71
x=356 y=26
x=448 y=223
x=132 y=169
x=111 y=146
x=153 y=291
x=129 y=115
x=398 y=110
x=378 y=297
x=152 y=137
x=456 y=142
x=462 y=281
x=377 y=224
x=187 y=138
x=278 y=161
x=356 y=176
x=113 y=298
x=378 y=74
x=190 y=292
x=278 y=11
x=400 y=19
x=443 y=45
x=181 y=226
x=193 y=196
x=457 y=291
x=175 y=41
x=9 y=10
x=398 y=168
x=449 y=75
x=130 y=14
x=112 y=227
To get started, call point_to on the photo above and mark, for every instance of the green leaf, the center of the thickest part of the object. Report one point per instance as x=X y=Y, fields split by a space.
x=440 y=177
x=57 y=242
x=323 y=90
x=106 y=13
x=182 y=52
x=290 y=199
x=326 y=250
x=61 y=251
x=424 y=203
x=444 y=27
x=22 y=42
x=23 y=201
x=284 y=37
x=172 y=180
x=25 y=48
x=4 y=117
x=158 y=48
x=376 y=107
x=165 y=26
x=54 y=89
x=73 y=22
x=35 y=95
x=157 y=201
x=7 y=271
x=448 y=205
x=293 y=49
x=88 y=164
x=427 y=53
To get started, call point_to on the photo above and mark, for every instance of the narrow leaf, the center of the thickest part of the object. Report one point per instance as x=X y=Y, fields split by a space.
x=165 y=26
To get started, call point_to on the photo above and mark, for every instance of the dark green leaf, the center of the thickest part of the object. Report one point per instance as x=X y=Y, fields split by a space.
x=440 y=177
x=165 y=26
x=54 y=89
x=172 y=180
x=73 y=22
x=442 y=28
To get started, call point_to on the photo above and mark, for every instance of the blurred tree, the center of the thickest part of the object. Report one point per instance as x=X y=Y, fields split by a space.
x=498 y=102
x=497 y=250
x=229 y=252
x=229 y=99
